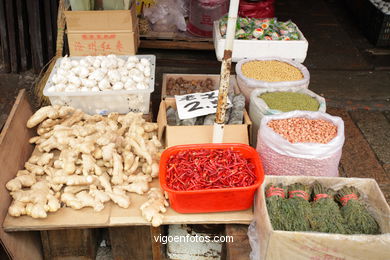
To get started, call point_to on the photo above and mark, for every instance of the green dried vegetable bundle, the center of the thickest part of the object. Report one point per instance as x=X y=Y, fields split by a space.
x=326 y=213
x=288 y=101
x=356 y=216
x=298 y=209
x=275 y=200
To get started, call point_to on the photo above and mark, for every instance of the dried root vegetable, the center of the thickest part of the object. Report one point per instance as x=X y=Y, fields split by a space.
x=298 y=209
x=275 y=200
x=358 y=219
x=97 y=159
x=326 y=213
x=181 y=86
x=156 y=203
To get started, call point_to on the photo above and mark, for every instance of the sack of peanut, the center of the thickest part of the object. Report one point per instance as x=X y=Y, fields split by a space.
x=301 y=143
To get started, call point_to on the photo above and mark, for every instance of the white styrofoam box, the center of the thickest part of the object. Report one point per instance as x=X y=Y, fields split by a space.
x=294 y=49
x=104 y=102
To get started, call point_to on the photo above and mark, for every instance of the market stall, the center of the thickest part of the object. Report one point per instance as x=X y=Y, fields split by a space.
x=94 y=158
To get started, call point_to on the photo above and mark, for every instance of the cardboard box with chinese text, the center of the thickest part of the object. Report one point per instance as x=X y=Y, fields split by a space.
x=102 y=32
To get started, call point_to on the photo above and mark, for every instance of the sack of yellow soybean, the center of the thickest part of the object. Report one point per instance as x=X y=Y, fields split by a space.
x=270 y=72
x=273 y=101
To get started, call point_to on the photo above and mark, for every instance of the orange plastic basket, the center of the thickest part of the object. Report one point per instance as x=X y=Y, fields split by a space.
x=212 y=200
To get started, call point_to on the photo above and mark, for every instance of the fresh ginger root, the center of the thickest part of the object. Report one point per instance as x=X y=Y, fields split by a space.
x=155 y=204
x=85 y=161
x=23 y=179
x=35 y=202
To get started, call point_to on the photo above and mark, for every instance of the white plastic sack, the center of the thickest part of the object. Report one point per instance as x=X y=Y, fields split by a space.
x=253 y=241
x=247 y=85
x=258 y=108
x=280 y=157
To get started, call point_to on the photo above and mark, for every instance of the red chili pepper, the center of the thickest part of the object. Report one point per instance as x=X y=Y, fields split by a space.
x=209 y=169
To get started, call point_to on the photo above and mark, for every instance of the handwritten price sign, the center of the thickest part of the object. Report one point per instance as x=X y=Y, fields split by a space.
x=197 y=104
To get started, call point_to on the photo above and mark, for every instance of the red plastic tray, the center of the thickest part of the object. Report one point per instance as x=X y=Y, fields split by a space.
x=212 y=200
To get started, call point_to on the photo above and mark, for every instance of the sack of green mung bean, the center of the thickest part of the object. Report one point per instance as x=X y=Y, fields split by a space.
x=301 y=143
x=270 y=72
x=273 y=101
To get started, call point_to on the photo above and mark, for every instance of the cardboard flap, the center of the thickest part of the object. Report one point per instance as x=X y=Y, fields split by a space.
x=14 y=152
x=95 y=21
x=161 y=120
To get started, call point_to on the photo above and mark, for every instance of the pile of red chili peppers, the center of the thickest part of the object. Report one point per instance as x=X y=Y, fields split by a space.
x=200 y=169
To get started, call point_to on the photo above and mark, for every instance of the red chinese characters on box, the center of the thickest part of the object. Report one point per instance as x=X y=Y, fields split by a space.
x=83 y=44
x=98 y=44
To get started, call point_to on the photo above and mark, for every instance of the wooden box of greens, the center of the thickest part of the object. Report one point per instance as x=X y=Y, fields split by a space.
x=192 y=79
x=102 y=32
x=276 y=244
x=197 y=134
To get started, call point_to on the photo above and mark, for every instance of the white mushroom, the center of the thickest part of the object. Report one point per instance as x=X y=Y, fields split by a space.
x=84 y=72
x=114 y=76
x=104 y=84
x=118 y=85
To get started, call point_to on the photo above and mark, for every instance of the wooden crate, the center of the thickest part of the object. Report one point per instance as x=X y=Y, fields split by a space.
x=239 y=248
x=131 y=242
x=70 y=244
x=175 y=40
x=14 y=144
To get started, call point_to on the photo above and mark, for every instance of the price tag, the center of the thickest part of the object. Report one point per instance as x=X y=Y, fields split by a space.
x=198 y=104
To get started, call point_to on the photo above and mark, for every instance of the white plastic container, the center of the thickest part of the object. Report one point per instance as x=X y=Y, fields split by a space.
x=258 y=108
x=247 y=85
x=104 y=102
x=295 y=50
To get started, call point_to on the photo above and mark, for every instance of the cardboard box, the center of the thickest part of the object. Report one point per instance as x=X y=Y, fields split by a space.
x=102 y=32
x=275 y=244
x=175 y=135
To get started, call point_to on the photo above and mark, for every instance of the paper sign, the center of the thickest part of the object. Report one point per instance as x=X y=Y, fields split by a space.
x=198 y=104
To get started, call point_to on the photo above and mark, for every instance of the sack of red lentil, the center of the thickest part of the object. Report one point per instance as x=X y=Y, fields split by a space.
x=301 y=143
x=270 y=72
x=273 y=101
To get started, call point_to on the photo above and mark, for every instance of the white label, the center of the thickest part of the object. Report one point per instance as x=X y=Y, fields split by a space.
x=198 y=104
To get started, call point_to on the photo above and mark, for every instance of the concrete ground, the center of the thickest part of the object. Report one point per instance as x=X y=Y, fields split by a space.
x=345 y=68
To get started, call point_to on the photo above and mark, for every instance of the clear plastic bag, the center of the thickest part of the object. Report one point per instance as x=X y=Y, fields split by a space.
x=280 y=157
x=167 y=16
x=247 y=85
x=258 y=108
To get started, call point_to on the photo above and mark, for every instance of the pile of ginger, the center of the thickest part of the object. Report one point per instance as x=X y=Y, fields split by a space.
x=85 y=161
